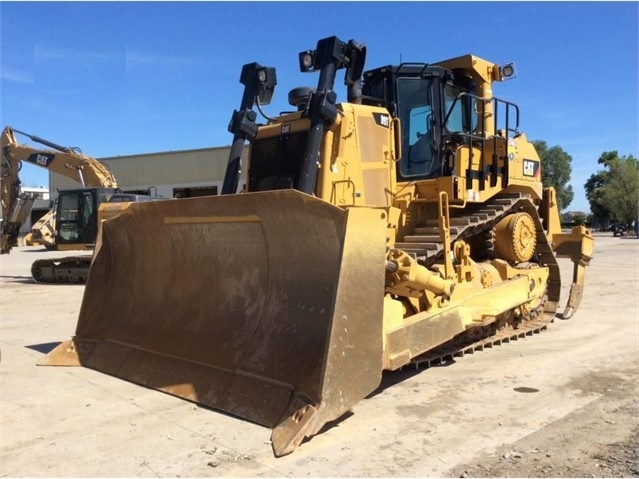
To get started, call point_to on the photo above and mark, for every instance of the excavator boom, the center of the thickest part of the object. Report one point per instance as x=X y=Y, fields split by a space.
x=63 y=160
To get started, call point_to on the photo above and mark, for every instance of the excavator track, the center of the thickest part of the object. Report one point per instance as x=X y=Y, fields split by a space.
x=427 y=247
x=68 y=270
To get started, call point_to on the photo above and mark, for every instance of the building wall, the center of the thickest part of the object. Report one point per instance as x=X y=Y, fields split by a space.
x=187 y=171
x=41 y=192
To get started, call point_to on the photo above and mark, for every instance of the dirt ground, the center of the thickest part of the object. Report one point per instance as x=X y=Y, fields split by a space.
x=563 y=403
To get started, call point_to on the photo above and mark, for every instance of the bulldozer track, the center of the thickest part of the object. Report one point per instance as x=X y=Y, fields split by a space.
x=426 y=247
x=446 y=354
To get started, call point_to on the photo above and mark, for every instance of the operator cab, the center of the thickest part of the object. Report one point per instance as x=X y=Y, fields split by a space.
x=433 y=104
x=76 y=215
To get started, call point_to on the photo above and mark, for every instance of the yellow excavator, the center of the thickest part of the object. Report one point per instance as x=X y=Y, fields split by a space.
x=73 y=224
x=407 y=224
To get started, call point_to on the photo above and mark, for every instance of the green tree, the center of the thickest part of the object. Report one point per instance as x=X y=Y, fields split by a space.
x=579 y=218
x=594 y=193
x=555 y=171
x=613 y=192
x=621 y=193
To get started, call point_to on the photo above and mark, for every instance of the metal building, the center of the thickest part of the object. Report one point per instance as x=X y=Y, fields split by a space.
x=168 y=174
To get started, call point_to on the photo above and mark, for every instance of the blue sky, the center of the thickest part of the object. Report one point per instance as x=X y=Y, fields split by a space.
x=120 y=78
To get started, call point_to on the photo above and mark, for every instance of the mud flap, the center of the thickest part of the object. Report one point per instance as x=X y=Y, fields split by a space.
x=265 y=305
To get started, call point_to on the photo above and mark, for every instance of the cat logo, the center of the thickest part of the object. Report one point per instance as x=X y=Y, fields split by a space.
x=41 y=159
x=382 y=120
x=531 y=168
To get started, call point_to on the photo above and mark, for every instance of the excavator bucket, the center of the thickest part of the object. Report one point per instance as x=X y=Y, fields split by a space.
x=265 y=305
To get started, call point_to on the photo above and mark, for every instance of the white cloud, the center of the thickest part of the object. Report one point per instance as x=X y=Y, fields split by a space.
x=138 y=60
x=67 y=54
x=15 y=75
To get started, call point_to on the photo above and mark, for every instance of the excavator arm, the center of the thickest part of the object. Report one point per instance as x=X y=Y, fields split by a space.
x=66 y=161
x=16 y=205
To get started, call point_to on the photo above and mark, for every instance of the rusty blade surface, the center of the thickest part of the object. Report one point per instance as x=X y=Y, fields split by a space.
x=256 y=304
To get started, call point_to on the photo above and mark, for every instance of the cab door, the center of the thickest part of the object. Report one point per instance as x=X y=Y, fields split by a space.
x=76 y=217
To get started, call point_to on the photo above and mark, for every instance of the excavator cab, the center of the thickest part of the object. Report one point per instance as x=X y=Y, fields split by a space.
x=77 y=217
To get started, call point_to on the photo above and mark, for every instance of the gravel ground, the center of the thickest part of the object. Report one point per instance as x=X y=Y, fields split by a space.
x=562 y=403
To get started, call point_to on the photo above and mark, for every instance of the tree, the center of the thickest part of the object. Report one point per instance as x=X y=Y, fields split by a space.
x=594 y=193
x=555 y=171
x=579 y=218
x=621 y=192
x=613 y=192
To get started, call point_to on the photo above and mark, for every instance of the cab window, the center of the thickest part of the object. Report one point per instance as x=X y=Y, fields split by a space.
x=460 y=110
x=414 y=103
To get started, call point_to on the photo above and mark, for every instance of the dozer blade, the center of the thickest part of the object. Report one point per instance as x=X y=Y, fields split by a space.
x=265 y=305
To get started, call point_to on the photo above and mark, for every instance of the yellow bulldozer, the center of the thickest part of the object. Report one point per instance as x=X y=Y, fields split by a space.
x=403 y=225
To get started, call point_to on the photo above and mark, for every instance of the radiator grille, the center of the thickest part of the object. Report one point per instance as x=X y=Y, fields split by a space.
x=276 y=162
